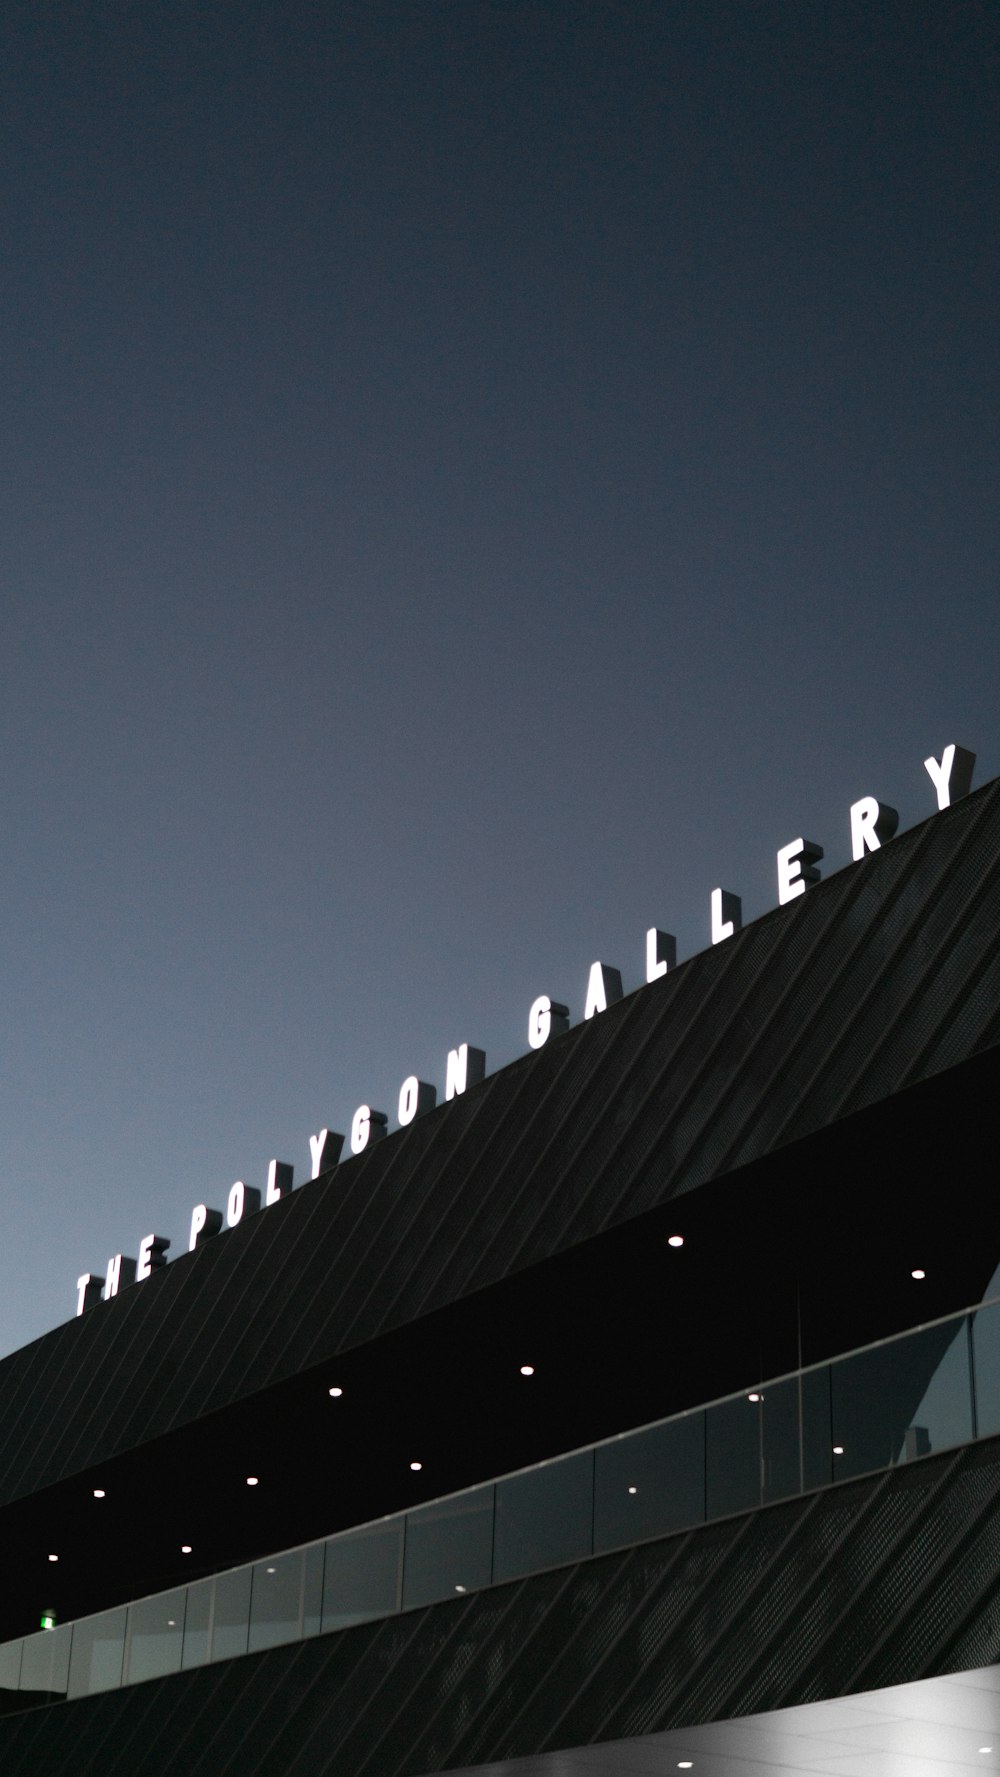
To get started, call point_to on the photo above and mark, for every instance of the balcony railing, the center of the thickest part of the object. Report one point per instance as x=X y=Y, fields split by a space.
x=931 y=1389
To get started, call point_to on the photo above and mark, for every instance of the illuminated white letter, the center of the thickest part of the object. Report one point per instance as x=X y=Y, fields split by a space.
x=325 y=1150
x=415 y=1097
x=366 y=1127
x=797 y=867
x=466 y=1067
x=121 y=1271
x=243 y=1200
x=727 y=914
x=872 y=822
x=953 y=777
x=279 y=1180
x=151 y=1255
x=661 y=953
x=88 y=1291
x=604 y=985
x=204 y=1223
x=547 y=1018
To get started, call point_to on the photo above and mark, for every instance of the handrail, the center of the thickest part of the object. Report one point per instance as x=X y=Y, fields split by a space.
x=933 y=1387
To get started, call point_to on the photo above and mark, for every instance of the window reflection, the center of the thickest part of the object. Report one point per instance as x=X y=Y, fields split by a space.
x=155 y=1636
x=733 y=1456
x=449 y=1548
x=779 y=1423
x=902 y=1399
x=98 y=1649
x=986 y=1353
x=198 y=1623
x=544 y=1517
x=363 y=1575
x=650 y=1483
x=10 y=1665
x=276 y=1601
x=231 y=1614
x=942 y=1417
x=45 y=1664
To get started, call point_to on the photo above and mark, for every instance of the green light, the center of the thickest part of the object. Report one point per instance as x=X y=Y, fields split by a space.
x=48 y=1619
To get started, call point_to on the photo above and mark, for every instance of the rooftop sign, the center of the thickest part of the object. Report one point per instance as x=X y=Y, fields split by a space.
x=872 y=824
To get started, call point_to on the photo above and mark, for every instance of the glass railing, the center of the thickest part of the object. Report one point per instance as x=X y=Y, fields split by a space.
x=927 y=1390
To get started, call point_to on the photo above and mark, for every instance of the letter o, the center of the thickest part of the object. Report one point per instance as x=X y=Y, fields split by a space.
x=236 y=1203
x=409 y=1100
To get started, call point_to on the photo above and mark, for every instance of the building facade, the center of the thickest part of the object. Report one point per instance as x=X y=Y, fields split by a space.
x=680 y=1215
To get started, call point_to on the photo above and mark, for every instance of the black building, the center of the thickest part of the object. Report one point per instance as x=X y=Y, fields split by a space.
x=682 y=1216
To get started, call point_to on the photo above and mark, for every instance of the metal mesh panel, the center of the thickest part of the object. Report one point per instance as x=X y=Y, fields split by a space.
x=953 y=1619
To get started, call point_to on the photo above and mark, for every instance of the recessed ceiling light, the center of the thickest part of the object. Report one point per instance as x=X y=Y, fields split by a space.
x=838 y=1449
x=918 y=1274
x=684 y=1764
x=416 y=1465
x=527 y=1369
x=460 y=1588
x=253 y=1481
x=171 y=1622
x=336 y=1392
x=633 y=1489
x=185 y=1548
x=986 y=1749
x=272 y=1570
x=675 y=1240
x=98 y=1492
x=53 y=1557
x=753 y=1397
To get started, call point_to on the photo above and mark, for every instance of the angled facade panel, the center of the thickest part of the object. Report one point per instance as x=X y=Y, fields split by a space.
x=882 y=981
x=878 y=1582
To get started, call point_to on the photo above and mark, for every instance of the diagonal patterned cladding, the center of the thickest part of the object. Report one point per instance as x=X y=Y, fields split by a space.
x=884 y=974
x=873 y=1583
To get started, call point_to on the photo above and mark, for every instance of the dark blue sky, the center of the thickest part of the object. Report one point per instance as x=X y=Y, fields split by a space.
x=475 y=478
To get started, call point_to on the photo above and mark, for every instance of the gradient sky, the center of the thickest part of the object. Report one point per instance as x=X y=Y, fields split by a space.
x=476 y=476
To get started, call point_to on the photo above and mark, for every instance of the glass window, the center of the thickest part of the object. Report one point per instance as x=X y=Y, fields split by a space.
x=942 y=1417
x=198 y=1623
x=901 y=1399
x=650 y=1483
x=45 y=1663
x=449 y=1548
x=544 y=1517
x=817 y=1429
x=868 y=1413
x=779 y=1413
x=276 y=1601
x=231 y=1617
x=155 y=1636
x=733 y=1456
x=312 y=1589
x=10 y=1665
x=362 y=1577
x=98 y=1649
x=986 y=1355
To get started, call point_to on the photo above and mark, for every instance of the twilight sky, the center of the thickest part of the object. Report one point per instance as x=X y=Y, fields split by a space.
x=477 y=475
